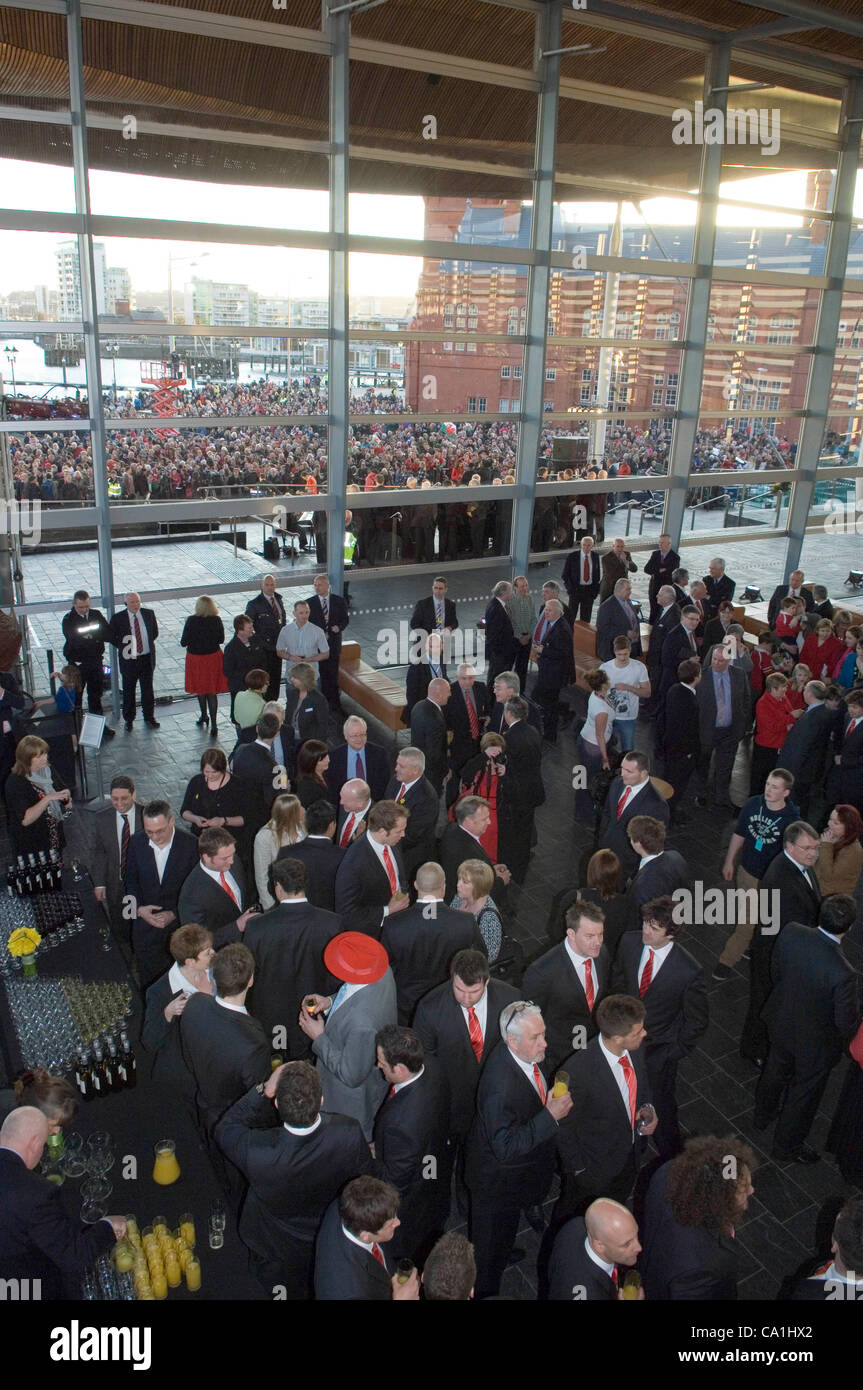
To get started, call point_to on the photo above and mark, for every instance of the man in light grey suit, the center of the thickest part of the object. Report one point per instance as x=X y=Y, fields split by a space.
x=344 y=1045
x=110 y=832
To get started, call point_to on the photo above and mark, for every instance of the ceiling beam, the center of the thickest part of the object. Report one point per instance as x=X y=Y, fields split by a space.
x=772 y=30
x=818 y=16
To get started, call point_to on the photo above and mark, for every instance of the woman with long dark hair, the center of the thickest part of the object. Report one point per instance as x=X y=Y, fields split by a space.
x=313 y=760
x=840 y=854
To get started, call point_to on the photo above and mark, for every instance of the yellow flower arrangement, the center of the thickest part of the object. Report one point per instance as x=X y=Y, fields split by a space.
x=23 y=941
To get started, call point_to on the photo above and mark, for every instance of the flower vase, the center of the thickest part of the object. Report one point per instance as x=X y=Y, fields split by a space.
x=28 y=966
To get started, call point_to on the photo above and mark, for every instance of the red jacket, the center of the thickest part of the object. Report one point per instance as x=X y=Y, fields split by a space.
x=816 y=658
x=773 y=719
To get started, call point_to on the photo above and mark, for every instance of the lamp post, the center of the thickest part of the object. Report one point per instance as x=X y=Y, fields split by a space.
x=113 y=349
x=172 y=261
x=11 y=358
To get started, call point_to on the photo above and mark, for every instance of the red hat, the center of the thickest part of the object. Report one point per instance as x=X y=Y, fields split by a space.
x=356 y=958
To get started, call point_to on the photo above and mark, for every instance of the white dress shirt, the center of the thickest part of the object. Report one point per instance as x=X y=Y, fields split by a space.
x=579 y=963
x=633 y=793
x=145 y=636
x=592 y=1255
x=236 y=1008
x=160 y=854
x=178 y=981
x=216 y=876
x=481 y=1011
x=400 y=1085
x=617 y=1072
x=527 y=1068
x=660 y=956
x=308 y=1129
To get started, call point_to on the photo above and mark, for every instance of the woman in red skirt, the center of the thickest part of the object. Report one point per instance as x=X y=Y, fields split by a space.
x=202 y=637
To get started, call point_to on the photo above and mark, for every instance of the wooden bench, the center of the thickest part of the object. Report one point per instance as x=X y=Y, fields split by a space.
x=371 y=689
x=584 y=648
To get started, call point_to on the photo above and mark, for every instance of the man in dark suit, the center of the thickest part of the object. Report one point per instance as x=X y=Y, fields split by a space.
x=371 y=883
x=813 y=1010
x=435 y=614
x=821 y=603
x=694 y=1202
x=268 y=615
x=111 y=835
x=630 y=794
x=215 y=893
x=458 y=1024
x=461 y=841
x=501 y=643
x=617 y=563
x=602 y=1142
x=294 y=1169
x=426 y=665
x=39 y=1244
x=511 y=1148
x=716 y=630
x=792 y=895
x=838 y=1278
x=356 y=757
x=804 y=751
x=589 y=1251
x=660 y=566
x=507 y=686
x=318 y=855
x=422 y=940
x=466 y=715
x=723 y=712
x=288 y=945
x=351 y=1263
x=554 y=664
x=329 y=612
x=652 y=965
x=409 y=787
x=617 y=618
x=159 y=861
x=668 y=618
x=86 y=631
x=569 y=981
x=682 y=741
x=719 y=586
x=410 y=1130
x=794 y=588
x=524 y=769
x=355 y=802
x=225 y=1049
x=429 y=731
x=581 y=578
x=254 y=765
x=660 y=871
x=133 y=631
x=845 y=783
x=679 y=645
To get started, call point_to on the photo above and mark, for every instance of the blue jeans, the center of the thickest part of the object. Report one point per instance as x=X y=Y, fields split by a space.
x=625 y=731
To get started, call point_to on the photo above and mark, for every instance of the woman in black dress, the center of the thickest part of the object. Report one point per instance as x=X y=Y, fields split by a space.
x=313 y=760
x=215 y=798
x=36 y=800
x=202 y=637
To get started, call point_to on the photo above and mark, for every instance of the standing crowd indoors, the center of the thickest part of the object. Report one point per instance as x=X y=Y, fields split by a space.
x=399 y=1098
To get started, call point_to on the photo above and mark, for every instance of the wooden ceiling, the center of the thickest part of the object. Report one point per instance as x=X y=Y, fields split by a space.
x=261 y=94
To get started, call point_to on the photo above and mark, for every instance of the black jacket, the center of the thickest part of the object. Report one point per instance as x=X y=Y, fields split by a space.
x=202 y=635
x=239 y=658
x=523 y=765
x=412 y=1127
x=142 y=878
x=204 y=901
x=37 y=1239
x=555 y=663
x=571 y=1268
x=681 y=726
x=320 y=859
x=83 y=647
x=363 y=887
x=779 y=593
x=161 y=1040
x=501 y=644
x=683 y=1262
x=423 y=616
x=254 y=766
x=552 y=982
x=497 y=723
x=420 y=840
x=660 y=568
x=676 y=999
x=227 y=1052
x=456 y=846
x=343 y=1271
x=596 y=1137
x=313 y=720
x=421 y=942
x=337 y=616
x=511 y=1147
x=375 y=761
x=464 y=745
x=612 y=830
x=718 y=590
x=662 y=875
x=288 y=945
x=292 y=1177
x=665 y=624
x=267 y=624
x=798 y=902
x=121 y=628
x=804 y=751
x=573 y=571
x=611 y=622
x=814 y=1007
x=441 y=1023
x=429 y=734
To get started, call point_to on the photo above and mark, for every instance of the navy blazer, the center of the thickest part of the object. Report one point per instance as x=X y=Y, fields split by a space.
x=375 y=761
x=676 y=999
x=683 y=1262
x=363 y=888
x=423 y=616
x=121 y=628
x=440 y=1022
x=337 y=615
x=596 y=1139
x=142 y=878
x=573 y=570
x=555 y=662
x=500 y=640
x=571 y=1268
x=37 y=1239
x=511 y=1148
x=204 y=901
x=346 y=1273
x=552 y=982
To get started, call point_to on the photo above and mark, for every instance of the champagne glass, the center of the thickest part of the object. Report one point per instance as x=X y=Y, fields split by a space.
x=644 y=1117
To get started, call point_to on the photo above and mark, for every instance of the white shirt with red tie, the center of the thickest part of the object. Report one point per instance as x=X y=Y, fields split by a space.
x=618 y=1072
x=232 y=883
x=527 y=1068
x=580 y=965
x=660 y=956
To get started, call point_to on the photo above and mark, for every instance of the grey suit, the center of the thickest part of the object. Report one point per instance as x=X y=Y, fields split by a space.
x=104 y=862
x=346 y=1056
x=721 y=742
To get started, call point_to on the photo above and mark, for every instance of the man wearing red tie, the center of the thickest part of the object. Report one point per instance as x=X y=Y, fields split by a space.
x=581 y=577
x=355 y=802
x=654 y=966
x=845 y=783
x=351 y=1260
x=133 y=632
x=371 y=878
x=214 y=895
x=601 y=1144
x=511 y=1148
x=630 y=794
x=568 y=981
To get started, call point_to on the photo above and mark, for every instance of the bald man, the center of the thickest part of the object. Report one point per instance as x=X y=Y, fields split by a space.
x=37 y=1239
x=591 y=1253
x=355 y=802
x=429 y=731
x=133 y=631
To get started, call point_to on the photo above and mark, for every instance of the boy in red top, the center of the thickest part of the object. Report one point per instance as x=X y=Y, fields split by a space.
x=762 y=663
x=773 y=718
